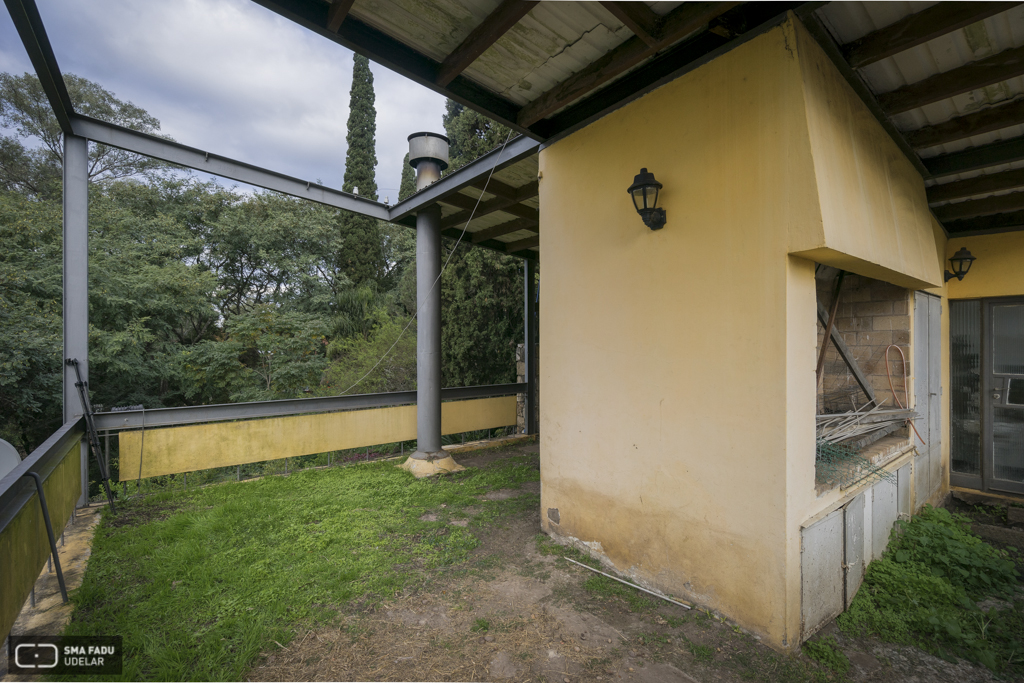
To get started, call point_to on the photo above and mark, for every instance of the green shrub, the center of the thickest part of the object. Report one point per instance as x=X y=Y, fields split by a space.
x=924 y=592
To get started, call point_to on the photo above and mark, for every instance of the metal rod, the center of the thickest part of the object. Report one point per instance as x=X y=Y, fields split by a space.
x=239 y=473
x=828 y=327
x=530 y=325
x=49 y=536
x=91 y=434
x=631 y=585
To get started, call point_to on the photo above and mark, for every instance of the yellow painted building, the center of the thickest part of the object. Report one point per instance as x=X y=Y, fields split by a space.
x=678 y=365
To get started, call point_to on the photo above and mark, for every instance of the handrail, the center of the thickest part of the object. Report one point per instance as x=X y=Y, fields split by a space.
x=165 y=417
x=16 y=490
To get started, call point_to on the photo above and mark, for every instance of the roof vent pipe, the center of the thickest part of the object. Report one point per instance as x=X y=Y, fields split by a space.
x=428 y=154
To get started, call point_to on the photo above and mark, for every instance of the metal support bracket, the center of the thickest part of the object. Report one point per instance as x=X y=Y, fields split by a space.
x=93 y=436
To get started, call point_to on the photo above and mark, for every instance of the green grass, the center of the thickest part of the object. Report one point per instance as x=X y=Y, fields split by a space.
x=825 y=651
x=200 y=582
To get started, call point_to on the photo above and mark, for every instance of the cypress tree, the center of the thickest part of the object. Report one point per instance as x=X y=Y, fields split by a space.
x=481 y=290
x=408 y=185
x=363 y=258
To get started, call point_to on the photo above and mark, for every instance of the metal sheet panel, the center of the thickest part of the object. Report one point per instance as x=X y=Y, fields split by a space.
x=153 y=452
x=904 y=500
x=854 y=563
x=883 y=515
x=921 y=391
x=934 y=435
x=821 y=565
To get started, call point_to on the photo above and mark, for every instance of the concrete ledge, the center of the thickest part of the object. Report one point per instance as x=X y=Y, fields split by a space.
x=972 y=497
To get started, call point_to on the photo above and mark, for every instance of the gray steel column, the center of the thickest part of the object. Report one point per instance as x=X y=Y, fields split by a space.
x=428 y=154
x=76 y=282
x=428 y=333
x=530 y=342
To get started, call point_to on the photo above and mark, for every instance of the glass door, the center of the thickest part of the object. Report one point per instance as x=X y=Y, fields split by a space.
x=1003 y=395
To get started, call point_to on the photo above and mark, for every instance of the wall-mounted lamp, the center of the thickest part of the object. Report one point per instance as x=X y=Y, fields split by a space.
x=644 y=192
x=961 y=262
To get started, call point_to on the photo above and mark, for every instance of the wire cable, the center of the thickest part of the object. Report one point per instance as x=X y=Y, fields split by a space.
x=906 y=390
x=438 y=279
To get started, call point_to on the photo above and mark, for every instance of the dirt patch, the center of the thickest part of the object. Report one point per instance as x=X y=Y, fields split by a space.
x=516 y=611
x=142 y=514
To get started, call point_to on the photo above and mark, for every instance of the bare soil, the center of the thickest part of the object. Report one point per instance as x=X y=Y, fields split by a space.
x=516 y=611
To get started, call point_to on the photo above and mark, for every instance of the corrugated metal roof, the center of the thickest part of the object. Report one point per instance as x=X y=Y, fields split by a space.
x=547 y=46
x=848 y=21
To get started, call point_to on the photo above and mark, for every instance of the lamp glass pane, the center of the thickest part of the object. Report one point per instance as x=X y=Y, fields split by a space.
x=639 y=200
x=651 y=196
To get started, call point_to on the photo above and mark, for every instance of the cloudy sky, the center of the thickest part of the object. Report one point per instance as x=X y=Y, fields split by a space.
x=233 y=78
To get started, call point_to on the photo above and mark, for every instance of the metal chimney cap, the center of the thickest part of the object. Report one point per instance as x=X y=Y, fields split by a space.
x=428 y=147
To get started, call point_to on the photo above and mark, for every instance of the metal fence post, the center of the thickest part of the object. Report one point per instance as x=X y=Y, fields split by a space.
x=530 y=342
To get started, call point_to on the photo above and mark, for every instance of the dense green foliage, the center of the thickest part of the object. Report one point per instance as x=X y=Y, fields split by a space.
x=925 y=591
x=200 y=582
x=201 y=294
x=481 y=290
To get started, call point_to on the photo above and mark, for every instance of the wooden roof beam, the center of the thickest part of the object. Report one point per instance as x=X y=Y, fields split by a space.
x=519 y=245
x=505 y=229
x=984 y=121
x=497 y=23
x=488 y=207
x=973 y=208
x=1007 y=180
x=638 y=18
x=918 y=28
x=680 y=22
x=971 y=76
x=973 y=158
x=1000 y=222
x=337 y=13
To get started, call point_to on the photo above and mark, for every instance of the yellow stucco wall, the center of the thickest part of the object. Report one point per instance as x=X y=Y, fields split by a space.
x=222 y=444
x=665 y=425
x=874 y=212
x=999 y=270
x=677 y=435
x=24 y=545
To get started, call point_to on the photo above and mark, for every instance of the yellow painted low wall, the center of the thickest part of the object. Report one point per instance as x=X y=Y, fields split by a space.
x=222 y=444
x=24 y=545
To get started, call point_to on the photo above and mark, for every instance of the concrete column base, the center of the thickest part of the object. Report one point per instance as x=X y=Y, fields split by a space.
x=425 y=467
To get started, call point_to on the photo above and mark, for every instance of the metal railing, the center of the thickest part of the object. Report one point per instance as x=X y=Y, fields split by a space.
x=17 y=490
x=166 y=417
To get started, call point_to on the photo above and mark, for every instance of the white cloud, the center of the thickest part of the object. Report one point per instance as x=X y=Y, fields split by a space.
x=233 y=78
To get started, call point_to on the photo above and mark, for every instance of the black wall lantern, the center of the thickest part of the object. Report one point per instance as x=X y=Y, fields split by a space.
x=961 y=262
x=644 y=192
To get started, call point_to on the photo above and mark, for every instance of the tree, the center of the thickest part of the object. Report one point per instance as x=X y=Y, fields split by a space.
x=25 y=109
x=363 y=257
x=267 y=353
x=407 y=188
x=481 y=291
